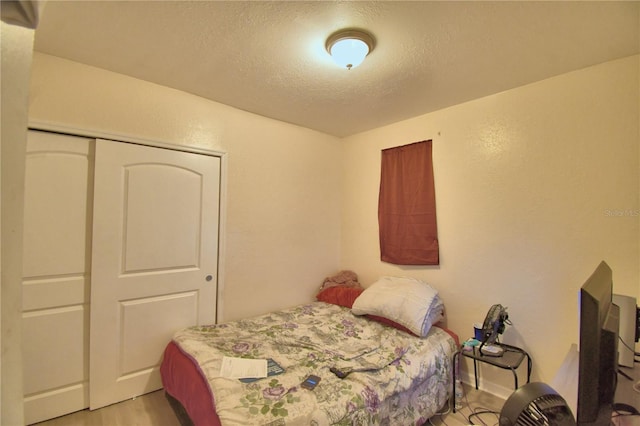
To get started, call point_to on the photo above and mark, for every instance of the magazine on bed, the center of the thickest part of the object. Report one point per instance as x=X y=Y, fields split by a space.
x=273 y=368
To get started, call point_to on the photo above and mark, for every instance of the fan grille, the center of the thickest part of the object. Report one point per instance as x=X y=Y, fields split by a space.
x=536 y=404
x=540 y=411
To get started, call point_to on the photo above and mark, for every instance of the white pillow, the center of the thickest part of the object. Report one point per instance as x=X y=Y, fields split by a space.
x=407 y=301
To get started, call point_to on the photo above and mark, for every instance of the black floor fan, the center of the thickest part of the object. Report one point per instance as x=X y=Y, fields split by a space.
x=536 y=404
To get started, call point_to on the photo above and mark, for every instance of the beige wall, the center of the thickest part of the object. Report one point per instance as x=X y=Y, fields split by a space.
x=283 y=181
x=534 y=187
x=17 y=45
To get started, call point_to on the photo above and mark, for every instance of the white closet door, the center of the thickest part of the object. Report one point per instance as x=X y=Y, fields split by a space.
x=57 y=235
x=154 y=267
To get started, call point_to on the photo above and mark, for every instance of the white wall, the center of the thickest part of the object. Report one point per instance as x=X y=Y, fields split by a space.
x=283 y=194
x=534 y=187
x=529 y=186
x=17 y=45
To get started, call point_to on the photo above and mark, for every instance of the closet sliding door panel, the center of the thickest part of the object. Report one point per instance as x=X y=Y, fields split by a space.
x=56 y=271
x=155 y=256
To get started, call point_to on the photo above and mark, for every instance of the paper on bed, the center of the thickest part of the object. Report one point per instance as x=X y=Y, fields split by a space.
x=241 y=368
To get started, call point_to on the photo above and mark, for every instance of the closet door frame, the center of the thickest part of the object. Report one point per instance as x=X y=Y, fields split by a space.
x=95 y=134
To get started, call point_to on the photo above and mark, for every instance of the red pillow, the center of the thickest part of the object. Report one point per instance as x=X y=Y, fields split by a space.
x=390 y=323
x=342 y=296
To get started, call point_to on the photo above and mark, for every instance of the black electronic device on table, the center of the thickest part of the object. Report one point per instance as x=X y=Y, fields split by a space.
x=310 y=382
x=598 y=352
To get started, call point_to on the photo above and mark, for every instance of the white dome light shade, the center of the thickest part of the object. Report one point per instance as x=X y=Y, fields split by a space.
x=349 y=48
x=349 y=53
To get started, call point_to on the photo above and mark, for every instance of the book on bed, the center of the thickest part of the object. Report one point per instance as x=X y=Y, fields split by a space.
x=273 y=369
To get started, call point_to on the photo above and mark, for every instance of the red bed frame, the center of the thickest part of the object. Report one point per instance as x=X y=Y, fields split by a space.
x=187 y=387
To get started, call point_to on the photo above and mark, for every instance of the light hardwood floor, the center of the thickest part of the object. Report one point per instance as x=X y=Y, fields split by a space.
x=146 y=410
x=154 y=410
x=478 y=407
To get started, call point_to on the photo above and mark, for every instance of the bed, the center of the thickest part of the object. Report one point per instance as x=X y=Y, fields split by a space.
x=396 y=358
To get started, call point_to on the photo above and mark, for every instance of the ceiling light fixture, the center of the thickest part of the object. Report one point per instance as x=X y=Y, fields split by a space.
x=348 y=48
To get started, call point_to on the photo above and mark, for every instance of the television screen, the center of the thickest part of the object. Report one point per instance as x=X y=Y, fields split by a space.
x=598 y=356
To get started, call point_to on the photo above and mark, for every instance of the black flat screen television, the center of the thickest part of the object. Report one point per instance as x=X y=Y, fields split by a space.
x=598 y=352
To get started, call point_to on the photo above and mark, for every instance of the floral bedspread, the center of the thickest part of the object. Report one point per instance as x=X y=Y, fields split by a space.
x=410 y=378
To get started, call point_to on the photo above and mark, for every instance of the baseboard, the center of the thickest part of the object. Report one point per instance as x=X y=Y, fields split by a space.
x=494 y=389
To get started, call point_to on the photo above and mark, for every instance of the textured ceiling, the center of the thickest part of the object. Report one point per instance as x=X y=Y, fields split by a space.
x=268 y=57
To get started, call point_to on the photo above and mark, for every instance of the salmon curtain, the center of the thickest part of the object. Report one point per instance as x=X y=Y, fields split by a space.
x=407 y=206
